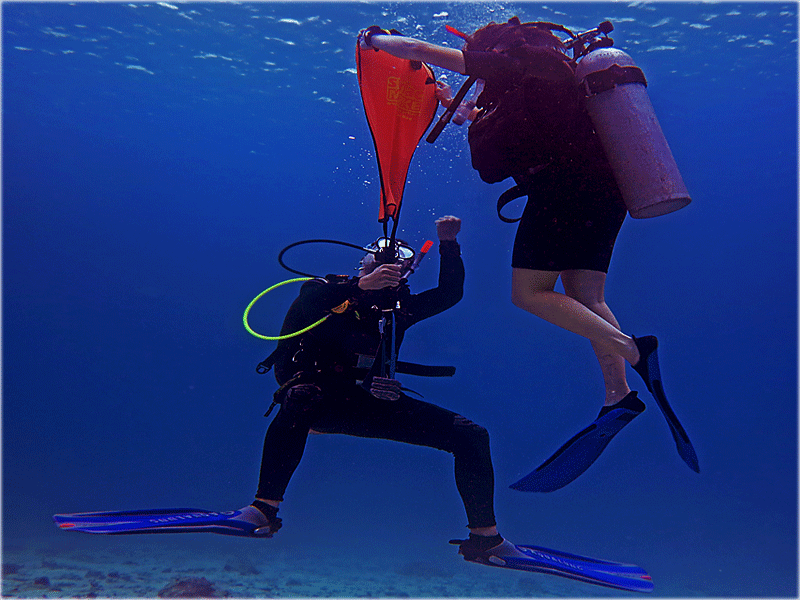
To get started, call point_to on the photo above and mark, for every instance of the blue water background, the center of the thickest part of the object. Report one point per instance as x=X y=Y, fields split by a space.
x=157 y=157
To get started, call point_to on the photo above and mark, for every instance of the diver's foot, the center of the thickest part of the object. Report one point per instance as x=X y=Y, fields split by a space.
x=482 y=549
x=631 y=402
x=263 y=516
x=477 y=546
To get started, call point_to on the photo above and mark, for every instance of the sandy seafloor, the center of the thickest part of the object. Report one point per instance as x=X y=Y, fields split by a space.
x=126 y=567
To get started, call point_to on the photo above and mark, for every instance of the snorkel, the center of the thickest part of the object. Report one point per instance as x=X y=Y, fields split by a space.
x=418 y=259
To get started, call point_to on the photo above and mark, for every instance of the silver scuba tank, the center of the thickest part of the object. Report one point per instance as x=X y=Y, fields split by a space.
x=634 y=143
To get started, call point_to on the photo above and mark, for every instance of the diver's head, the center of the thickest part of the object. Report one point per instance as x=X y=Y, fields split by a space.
x=503 y=37
x=382 y=252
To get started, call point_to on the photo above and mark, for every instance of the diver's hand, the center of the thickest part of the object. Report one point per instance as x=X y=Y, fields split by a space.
x=385 y=388
x=444 y=93
x=365 y=36
x=382 y=277
x=447 y=228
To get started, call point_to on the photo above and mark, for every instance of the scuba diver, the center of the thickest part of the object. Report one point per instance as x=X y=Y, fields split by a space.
x=336 y=362
x=531 y=123
x=332 y=380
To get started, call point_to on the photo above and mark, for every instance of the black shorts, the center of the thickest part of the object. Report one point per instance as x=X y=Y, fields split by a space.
x=572 y=218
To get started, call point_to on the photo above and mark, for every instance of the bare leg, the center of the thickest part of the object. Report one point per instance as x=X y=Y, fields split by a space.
x=588 y=288
x=581 y=310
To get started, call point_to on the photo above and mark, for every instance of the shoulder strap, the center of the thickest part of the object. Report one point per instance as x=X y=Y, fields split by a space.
x=408 y=368
x=508 y=196
x=602 y=81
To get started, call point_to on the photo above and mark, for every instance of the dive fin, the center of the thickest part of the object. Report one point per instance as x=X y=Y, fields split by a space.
x=400 y=102
x=649 y=370
x=578 y=453
x=168 y=520
x=605 y=573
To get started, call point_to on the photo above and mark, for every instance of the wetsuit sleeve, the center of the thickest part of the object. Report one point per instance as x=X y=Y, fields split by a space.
x=492 y=65
x=450 y=289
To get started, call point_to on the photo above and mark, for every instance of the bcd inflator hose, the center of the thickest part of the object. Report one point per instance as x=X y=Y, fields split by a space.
x=277 y=337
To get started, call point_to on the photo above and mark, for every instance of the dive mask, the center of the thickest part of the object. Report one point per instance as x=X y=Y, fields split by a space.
x=388 y=251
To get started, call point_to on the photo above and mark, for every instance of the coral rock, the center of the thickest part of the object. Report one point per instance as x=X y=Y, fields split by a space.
x=191 y=587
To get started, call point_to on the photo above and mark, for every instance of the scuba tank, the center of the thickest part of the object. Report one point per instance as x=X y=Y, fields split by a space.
x=626 y=124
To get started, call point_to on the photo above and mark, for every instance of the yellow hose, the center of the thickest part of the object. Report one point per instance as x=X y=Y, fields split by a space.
x=277 y=337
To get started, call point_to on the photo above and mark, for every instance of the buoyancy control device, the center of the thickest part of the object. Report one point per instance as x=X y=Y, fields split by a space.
x=516 y=133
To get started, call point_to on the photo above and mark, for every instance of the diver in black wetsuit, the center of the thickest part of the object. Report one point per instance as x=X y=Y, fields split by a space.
x=326 y=389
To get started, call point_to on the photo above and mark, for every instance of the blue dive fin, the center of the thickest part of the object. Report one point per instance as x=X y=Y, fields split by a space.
x=590 y=570
x=649 y=370
x=577 y=454
x=168 y=520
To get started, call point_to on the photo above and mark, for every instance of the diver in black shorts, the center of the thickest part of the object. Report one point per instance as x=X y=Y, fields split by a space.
x=531 y=124
x=568 y=228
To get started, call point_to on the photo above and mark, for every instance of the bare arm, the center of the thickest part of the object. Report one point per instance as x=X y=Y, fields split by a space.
x=412 y=49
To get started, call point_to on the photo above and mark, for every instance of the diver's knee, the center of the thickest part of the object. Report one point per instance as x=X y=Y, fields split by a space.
x=470 y=433
x=518 y=298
